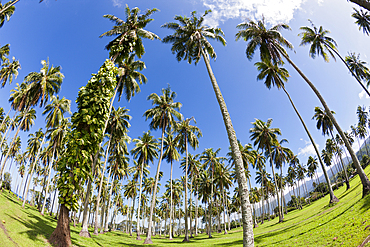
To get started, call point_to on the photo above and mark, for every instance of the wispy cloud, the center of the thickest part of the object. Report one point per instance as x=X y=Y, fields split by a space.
x=308 y=150
x=117 y=3
x=363 y=94
x=274 y=11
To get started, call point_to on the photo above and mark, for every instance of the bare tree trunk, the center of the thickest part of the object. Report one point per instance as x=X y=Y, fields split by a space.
x=61 y=236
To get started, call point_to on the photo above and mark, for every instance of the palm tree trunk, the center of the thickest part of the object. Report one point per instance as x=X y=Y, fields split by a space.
x=99 y=193
x=196 y=214
x=171 y=203
x=138 y=209
x=333 y=198
x=33 y=167
x=186 y=238
x=341 y=160
x=191 y=206
x=363 y=3
x=224 y=207
x=47 y=186
x=281 y=218
x=248 y=236
x=364 y=179
x=148 y=239
x=62 y=234
x=109 y=205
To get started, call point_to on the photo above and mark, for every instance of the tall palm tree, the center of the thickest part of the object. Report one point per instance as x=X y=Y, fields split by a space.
x=324 y=122
x=145 y=151
x=264 y=138
x=187 y=134
x=259 y=164
x=190 y=42
x=362 y=20
x=171 y=154
x=129 y=33
x=211 y=162
x=276 y=76
x=321 y=44
x=271 y=44
x=162 y=116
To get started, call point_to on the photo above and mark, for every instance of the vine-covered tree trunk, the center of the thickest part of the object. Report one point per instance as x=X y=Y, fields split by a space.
x=61 y=237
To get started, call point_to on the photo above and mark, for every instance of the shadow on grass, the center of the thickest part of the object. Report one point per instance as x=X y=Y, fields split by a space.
x=37 y=226
x=365 y=203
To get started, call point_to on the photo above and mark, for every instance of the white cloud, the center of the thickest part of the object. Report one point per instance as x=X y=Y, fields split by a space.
x=117 y=3
x=274 y=11
x=308 y=150
x=363 y=94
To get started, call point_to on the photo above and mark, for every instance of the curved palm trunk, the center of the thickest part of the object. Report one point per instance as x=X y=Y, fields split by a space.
x=186 y=238
x=148 y=239
x=248 y=236
x=358 y=80
x=99 y=193
x=281 y=217
x=33 y=168
x=363 y=3
x=341 y=161
x=333 y=198
x=138 y=209
x=364 y=179
x=47 y=186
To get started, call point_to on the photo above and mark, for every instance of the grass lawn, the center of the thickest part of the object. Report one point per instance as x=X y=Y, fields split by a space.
x=346 y=223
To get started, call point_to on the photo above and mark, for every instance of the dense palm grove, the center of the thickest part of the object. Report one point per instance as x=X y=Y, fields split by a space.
x=89 y=157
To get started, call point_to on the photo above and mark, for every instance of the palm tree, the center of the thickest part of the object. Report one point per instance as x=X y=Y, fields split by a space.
x=265 y=137
x=363 y=3
x=8 y=71
x=145 y=151
x=171 y=154
x=205 y=185
x=259 y=164
x=358 y=66
x=323 y=122
x=163 y=117
x=129 y=33
x=271 y=44
x=187 y=134
x=276 y=76
x=362 y=20
x=211 y=162
x=189 y=42
x=321 y=44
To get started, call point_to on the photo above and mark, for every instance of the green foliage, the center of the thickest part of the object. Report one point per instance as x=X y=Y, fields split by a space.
x=365 y=161
x=93 y=103
x=7 y=181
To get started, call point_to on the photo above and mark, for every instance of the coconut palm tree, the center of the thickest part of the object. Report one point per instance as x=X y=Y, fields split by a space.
x=129 y=33
x=187 y=134
x=171 y=154
x=264 y=138
x=276 y=76
x=162 y=116
x=324 y=122
x=362 y=20
x=358 y=67
x=145 y=151
x=190 y=42
x=321 y=44
x=8 y=71
x=271 y=44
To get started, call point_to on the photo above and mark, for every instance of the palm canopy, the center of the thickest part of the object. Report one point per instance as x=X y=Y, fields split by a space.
x=269 y=41
x=323 y=121
x=170 y=146
x=55 y=111
x=145 y=149
x=272 y=74
x=362 y=20
x=280 y=154
x=320 y=42
x=129 y=77
x=164 y=111
x=358 y=66
x=8 y=71
x=263 y=136
x=189 y=132
x=45 y=83
x=189 y=39
x=129 y=33
x=118 y=122
x=6 y=11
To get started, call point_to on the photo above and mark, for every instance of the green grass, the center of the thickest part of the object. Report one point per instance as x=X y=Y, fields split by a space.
x=346 y=223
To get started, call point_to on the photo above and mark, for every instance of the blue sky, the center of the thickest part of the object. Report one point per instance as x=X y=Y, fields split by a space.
x=67 y=32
